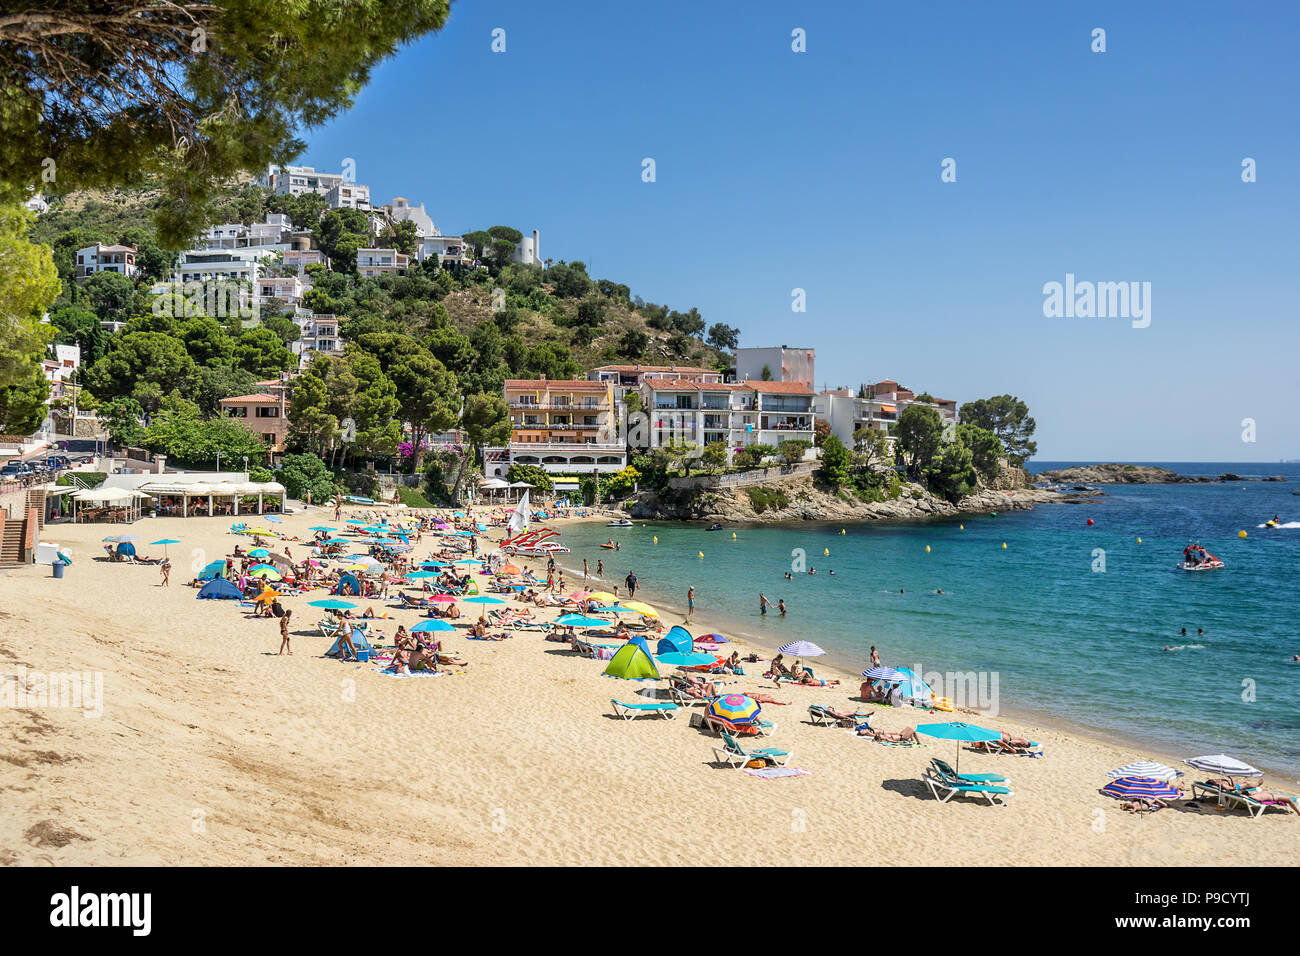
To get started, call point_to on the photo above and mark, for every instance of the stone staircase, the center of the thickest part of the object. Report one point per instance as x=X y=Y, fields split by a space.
x=12 y=539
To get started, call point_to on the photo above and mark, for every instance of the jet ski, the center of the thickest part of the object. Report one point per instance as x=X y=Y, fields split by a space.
x=716 y=526
x=620 y=523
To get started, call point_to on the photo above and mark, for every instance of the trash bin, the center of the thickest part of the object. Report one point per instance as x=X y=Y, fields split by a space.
x=58 y=568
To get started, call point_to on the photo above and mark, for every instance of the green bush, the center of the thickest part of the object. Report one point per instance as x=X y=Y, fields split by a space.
x=763 y=499
x=412 y=498
x=92 y=479
x=303 y=473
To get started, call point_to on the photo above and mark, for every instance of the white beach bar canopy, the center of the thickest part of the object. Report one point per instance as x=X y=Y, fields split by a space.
x=120 y=498
x=204 y=493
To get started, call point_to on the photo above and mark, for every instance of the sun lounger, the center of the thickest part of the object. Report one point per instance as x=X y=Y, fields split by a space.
x=661 y=708
x=1008 y=745
x=951 y=775
x=1238 y=799
x=764 y=728
x=950 y=788
x=732 y=754
x=822 y=716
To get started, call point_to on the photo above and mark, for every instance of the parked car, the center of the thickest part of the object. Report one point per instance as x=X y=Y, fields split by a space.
x=16 y=469
x=58 y=462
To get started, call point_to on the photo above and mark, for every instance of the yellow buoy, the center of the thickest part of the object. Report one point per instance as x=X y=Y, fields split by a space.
x=701 y=554
x=826 y=552
x=1004 y=546
x=656 y=539
x=733 y=536
x=961 y=527
x=927 y=549
x=841 y=530
x=1241 y=534
x=1139 y=540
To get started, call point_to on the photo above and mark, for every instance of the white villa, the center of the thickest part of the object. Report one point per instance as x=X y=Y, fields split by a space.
x=736 y=413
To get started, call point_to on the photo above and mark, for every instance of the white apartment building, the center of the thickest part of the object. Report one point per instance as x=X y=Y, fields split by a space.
x=273 y=233
x=296 y=180
x=102 y=258
x=528 y=250
x=565 y=427
x=737 y=413
x=372 y=263
x=37 y=204
x=288 y=289
x=399 y=210
x=876 y=407
x=443 y=248
x=319 y=334
x=297 y=261
x=240 y=265
x=783 y=364
x=346 y=195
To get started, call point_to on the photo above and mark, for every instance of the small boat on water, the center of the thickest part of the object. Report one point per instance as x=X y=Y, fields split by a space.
x=716 y=526
x=620 y=523
x=1196 y=558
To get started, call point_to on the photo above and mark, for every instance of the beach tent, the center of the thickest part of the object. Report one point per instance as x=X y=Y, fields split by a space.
x=631 y=662
x=348 y=584
x=221 y=589
x=677 y=640
x=214 y=569
x=913 y=688
x=126 y=549
x=359 y=641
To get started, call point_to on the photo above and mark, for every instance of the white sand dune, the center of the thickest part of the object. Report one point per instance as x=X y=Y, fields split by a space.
x=213 y=750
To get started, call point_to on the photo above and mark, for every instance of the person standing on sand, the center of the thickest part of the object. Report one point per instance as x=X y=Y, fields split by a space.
x=284 y=634
x=166 y=569
x=584 y=572
x=630 y=581
x=690 y=602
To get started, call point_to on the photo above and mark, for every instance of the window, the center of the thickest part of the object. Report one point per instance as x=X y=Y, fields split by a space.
x=264 y=412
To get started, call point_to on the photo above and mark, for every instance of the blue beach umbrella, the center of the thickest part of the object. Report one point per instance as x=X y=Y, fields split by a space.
x=432 y=625
x=321 y=527
x=483 y=600
x=1125 y=788
x=421 y=574
x=959 y=731
x=580 y=620
x=333 y=604
x=259 y=553
x=164 y=542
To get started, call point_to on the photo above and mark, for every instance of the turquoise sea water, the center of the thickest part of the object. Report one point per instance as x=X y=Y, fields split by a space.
x=1065 y=641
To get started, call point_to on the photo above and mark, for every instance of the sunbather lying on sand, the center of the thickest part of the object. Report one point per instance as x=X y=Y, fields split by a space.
x=845 y=717
x=1142 y=804
x=802 y=675
x=908 y=735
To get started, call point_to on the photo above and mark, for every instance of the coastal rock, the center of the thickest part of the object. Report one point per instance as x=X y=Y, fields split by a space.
x=1114 y=474
x=799 y=499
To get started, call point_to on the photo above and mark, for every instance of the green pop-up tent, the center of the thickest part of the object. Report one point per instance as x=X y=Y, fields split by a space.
x=631 y=662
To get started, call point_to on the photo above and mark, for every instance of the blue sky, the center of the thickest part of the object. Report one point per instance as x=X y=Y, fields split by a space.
x=821 y=170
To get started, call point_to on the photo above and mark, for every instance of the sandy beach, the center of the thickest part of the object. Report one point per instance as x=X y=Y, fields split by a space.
x=211 y=749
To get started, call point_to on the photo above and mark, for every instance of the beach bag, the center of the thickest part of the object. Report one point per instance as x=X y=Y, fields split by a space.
x=758 y=763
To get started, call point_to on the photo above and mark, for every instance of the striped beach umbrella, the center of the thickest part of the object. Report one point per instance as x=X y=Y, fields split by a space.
x=734 y=708
x=801 y=649
x=887 y=674
x=1224 y=765
x=1145 y=768
x=432 y=625
x=1126 y=788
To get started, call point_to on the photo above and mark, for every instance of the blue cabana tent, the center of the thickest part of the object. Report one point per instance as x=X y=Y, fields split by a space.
x=677 y=640
x=359 y=641
x=126 y=549
x=348 y=584
x=220 y=588
x=213 y=569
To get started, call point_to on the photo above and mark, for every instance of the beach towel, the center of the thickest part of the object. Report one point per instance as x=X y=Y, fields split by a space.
x=773 y=773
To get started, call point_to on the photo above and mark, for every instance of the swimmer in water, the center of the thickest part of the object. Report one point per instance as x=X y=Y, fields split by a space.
x=938 y=590
x=900 y=590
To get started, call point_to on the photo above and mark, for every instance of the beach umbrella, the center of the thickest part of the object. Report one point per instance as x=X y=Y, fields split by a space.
x=321 y=527
x=432 y=625
x=1145 y=768
x=111 y=539
x=734 y=708
x=640 y=608
x=686 y=658
x=959 y=731
x=273 y=519
x=579 y=595
x=164 y=542
x=421 y=574
x=444 y=598
x=265 y=571
x=887 y=674
x=580 y=620
x=259 y=553
x=333 y=604
x=468 y=561
x=483 y=600
x=127 y=537
x=712 y=639
x=1125 y=788
x=602 y=596
x=259 y=567
x=338 y=541
x=511 y=570
x=801 y=649
x=1223 y=765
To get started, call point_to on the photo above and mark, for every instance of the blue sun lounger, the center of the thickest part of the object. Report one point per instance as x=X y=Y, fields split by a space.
x=662 y=708
x=945 y=787
x=733 y=755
